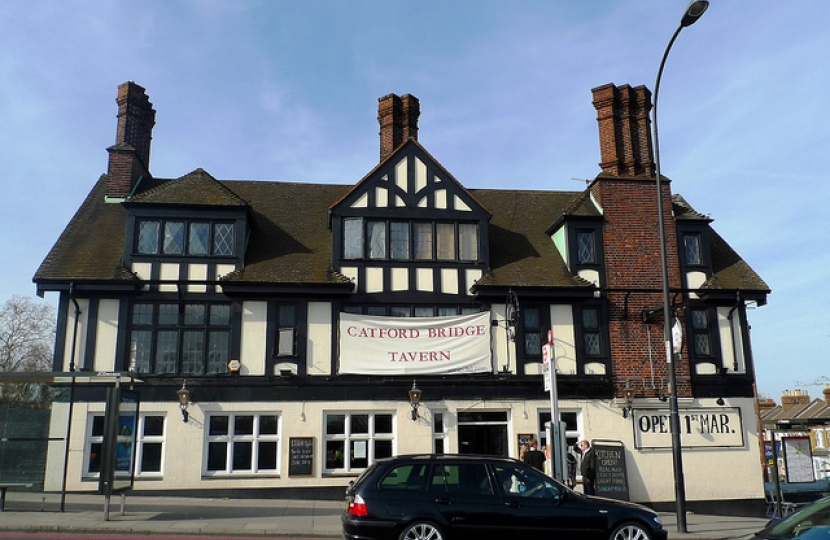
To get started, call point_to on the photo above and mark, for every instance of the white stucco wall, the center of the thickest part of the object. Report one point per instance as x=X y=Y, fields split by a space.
x=254 y=343
x=319 y=338
x=106 y=335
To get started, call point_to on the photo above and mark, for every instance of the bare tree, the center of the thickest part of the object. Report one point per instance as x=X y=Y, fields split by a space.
x=27 y=336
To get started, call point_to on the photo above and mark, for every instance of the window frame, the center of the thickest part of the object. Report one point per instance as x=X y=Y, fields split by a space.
x=347 y=437
x=93 y=439
x=159 y=242
x=231 y=438
x=710 y=332
x=457 y=238
x=154 y=332
x=602 y=333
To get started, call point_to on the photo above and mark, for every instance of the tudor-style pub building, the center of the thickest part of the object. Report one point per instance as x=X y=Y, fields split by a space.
x=300 y=316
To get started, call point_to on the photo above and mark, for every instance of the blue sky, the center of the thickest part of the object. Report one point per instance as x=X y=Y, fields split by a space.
x=279 y=90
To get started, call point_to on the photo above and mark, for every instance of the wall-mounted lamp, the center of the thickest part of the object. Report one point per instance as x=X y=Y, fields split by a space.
x=184 y=394
x=628 y=395
x=720 y=402
x=414 y=400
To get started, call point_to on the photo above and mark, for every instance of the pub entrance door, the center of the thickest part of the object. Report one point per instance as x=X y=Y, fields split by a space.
x=483 y=432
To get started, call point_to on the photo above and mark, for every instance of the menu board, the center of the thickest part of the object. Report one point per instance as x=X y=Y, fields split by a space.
x=798 y=459
x=612 y=477
x=301 y=456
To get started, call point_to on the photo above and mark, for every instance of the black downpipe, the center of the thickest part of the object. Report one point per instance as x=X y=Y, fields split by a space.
x=71 y=393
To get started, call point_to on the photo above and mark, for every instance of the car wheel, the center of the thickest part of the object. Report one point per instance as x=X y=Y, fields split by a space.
x=630 y=531
x=421 y=530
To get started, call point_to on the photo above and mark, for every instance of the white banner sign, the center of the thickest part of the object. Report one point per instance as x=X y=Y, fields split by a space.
x=698 y=428
x=415 y=345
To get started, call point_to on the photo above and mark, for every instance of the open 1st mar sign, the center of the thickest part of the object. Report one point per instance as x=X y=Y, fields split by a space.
x=705 y=427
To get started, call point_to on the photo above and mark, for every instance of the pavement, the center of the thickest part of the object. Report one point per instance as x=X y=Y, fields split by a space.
x=273 y=518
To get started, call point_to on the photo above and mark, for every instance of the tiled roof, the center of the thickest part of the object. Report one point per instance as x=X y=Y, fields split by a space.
x=291 y=242
x=197 y=188
x=814 y=412
x=521 y=253
x=91 y=247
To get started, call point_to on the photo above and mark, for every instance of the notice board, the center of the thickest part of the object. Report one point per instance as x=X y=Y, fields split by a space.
x=612 y=476
x=301 y=456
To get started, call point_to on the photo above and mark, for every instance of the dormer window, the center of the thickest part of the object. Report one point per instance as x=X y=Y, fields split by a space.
x=179 y=237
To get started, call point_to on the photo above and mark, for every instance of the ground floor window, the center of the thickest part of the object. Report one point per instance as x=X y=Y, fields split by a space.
x=149 y=445
x=354 y=439
x=571 y=427
x=245 y=443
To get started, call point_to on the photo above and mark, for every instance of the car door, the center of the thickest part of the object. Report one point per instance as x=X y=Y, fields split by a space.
x=536 y=507
x=464 y=494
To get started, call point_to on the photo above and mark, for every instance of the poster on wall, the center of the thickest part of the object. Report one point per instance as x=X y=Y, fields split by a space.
x=798 y=459
x=415 y=345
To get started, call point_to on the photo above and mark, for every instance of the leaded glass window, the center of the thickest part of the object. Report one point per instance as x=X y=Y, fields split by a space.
x=173 y=238
x=532 y=326
x=700 y=332
x=422 y=233
x=188 y=338
x=184 y=238
x=399 y=240
x=591 y=332
x=468 y=242
x=692 y=249
x=223 y=239
x=353 y=238
x=586 y=247
x=199 y=238
x=376 y=232
x=445 y=236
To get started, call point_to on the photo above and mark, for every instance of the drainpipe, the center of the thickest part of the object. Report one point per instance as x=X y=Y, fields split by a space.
x=71 y=393
x=732 y=328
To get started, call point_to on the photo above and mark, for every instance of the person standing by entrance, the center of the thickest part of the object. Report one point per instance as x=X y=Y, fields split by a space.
x=588 y=468
x=534 y=457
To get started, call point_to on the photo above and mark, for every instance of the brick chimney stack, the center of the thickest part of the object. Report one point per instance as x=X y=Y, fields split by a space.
x=624 y=130
x=130 y=155
x=826 y=393
x=791 y=398
x=398 y=118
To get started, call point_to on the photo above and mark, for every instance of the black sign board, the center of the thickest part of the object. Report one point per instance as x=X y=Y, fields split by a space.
x=301 y=456
x=612 y=478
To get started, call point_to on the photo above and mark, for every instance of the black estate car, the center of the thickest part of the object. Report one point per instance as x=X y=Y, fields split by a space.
x=462 y=497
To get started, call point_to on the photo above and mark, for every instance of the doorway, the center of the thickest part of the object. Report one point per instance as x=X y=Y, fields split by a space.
x=482 y=432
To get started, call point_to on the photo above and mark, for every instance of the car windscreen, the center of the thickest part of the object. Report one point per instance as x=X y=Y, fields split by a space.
x=811 y=523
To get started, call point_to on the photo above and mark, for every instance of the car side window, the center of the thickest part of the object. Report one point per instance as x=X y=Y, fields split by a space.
x=462 y=478
x=404 y=477
x=526 y=482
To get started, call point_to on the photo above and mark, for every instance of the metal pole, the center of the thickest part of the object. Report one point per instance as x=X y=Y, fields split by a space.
x=679 y=483
x=694 y=11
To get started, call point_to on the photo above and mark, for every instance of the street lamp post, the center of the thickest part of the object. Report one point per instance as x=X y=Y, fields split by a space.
x=693 y=12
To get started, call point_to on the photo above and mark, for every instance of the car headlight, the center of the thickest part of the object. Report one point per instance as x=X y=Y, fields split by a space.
x=656 y=519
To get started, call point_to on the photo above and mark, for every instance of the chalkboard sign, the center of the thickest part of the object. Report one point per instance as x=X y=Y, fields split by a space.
x=612 y=478
x=301 y=456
